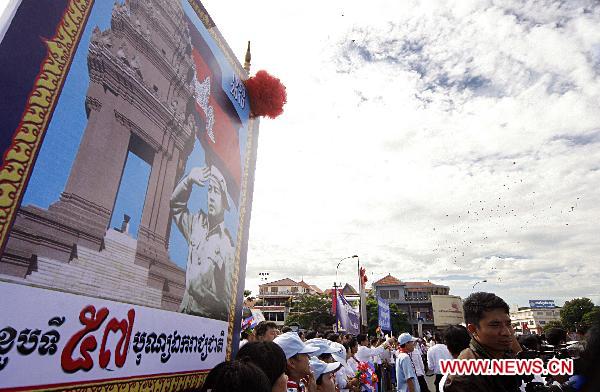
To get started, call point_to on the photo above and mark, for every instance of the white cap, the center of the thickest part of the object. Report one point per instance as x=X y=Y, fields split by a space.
x=340 y=353
x=319 y=367
x=322 y=345
x=405 y=338
x=291 y=344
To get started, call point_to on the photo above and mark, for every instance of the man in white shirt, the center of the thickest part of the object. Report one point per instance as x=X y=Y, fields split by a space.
x=434 y=354
x=417 y=359
x=366 y=353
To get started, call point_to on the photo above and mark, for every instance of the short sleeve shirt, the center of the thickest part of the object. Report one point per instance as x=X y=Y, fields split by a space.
x=404 y=371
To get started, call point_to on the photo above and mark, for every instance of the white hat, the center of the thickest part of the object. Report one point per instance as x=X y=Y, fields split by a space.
x=405 y=338
x=340 y=353
x=291 y=344
x=322 y=345
x=218 y=176
x=319 y=367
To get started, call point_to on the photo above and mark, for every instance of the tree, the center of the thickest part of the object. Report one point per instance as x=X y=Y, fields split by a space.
x=574 y=310
x=311 y=311
x=592 y=317
x=552 y=324
x=247 y=293
x=399 y=319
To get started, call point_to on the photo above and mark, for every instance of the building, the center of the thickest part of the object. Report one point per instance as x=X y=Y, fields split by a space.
x=348 y=291
x=276 y=298
x=531 y=320
x=413 y=298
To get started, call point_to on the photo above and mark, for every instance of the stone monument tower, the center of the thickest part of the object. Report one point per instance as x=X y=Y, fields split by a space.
x=141 y=82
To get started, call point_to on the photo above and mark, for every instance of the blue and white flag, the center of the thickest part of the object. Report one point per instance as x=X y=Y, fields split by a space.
x=347 y=318
x=383 y=308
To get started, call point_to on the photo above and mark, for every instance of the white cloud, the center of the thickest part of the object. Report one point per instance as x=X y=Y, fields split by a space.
x=474 y=118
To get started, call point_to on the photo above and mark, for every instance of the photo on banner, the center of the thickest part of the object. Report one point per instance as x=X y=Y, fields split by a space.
x=125 y=193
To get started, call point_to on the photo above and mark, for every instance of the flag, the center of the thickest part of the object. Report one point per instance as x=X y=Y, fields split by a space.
x=346 y=316
x=363 y=297
x=219 y=123
x=383 y=312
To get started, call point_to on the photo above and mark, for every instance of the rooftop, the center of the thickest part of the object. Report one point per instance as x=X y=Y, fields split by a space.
x=290 y=282
x=390 y=280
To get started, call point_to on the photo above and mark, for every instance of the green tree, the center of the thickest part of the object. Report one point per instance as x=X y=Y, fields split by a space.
x=247 y=293
x=552 y=324
x=311 y=311
x=573 y=311
x=398 y=317
x=592 y=317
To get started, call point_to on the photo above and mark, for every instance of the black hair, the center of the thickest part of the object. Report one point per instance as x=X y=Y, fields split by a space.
x=300 y=334
x=556 y=336
x=529 y=342
x=236 y=376
x=262 y=327
x=590 y=358
x=326 y=357
x=361 y=337
x=352 y=342
x=438 y=337
x=457 y=338
x=478 y=303
x=286 y=329
x=334 y=337
x=310 y=334
x=244 y=335
x=374 y=341
x=266 y=355
x=320 y=380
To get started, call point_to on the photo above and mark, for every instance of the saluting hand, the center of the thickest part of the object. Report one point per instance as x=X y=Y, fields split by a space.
x=199 y=175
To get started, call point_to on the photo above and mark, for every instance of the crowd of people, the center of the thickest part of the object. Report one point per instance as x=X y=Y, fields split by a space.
x=274 y=360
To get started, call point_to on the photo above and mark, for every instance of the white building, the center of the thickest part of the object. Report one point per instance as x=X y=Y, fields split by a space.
x=276 y=298
x=534 y=318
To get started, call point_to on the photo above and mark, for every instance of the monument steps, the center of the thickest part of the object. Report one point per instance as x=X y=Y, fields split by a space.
x=110 y=273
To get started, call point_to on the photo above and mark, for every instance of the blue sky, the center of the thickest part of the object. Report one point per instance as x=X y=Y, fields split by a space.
x=66 y=130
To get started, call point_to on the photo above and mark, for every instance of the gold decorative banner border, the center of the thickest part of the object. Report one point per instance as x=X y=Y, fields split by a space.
x=169 y=382
x=27 y=139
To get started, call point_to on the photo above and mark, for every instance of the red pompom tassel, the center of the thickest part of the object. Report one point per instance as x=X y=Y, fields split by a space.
x=267 y=95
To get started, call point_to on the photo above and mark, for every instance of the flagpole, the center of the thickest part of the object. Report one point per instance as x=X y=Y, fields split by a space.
x=359 y=296
x=336 y=274
x=334 y=298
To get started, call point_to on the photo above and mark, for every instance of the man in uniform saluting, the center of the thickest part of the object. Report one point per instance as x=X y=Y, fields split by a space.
x=209 y=272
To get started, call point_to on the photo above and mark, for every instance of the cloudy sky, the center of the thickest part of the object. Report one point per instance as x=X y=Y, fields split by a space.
x=454 y=141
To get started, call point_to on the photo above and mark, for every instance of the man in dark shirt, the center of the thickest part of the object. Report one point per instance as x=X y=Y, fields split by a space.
x=492 y=337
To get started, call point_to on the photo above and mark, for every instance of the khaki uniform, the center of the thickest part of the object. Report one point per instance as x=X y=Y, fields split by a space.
x=209 y=272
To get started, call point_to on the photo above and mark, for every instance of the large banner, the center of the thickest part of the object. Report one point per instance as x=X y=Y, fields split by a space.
x=125 y=194
x=383 y=313
x=348 y=319
x=447 y=310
